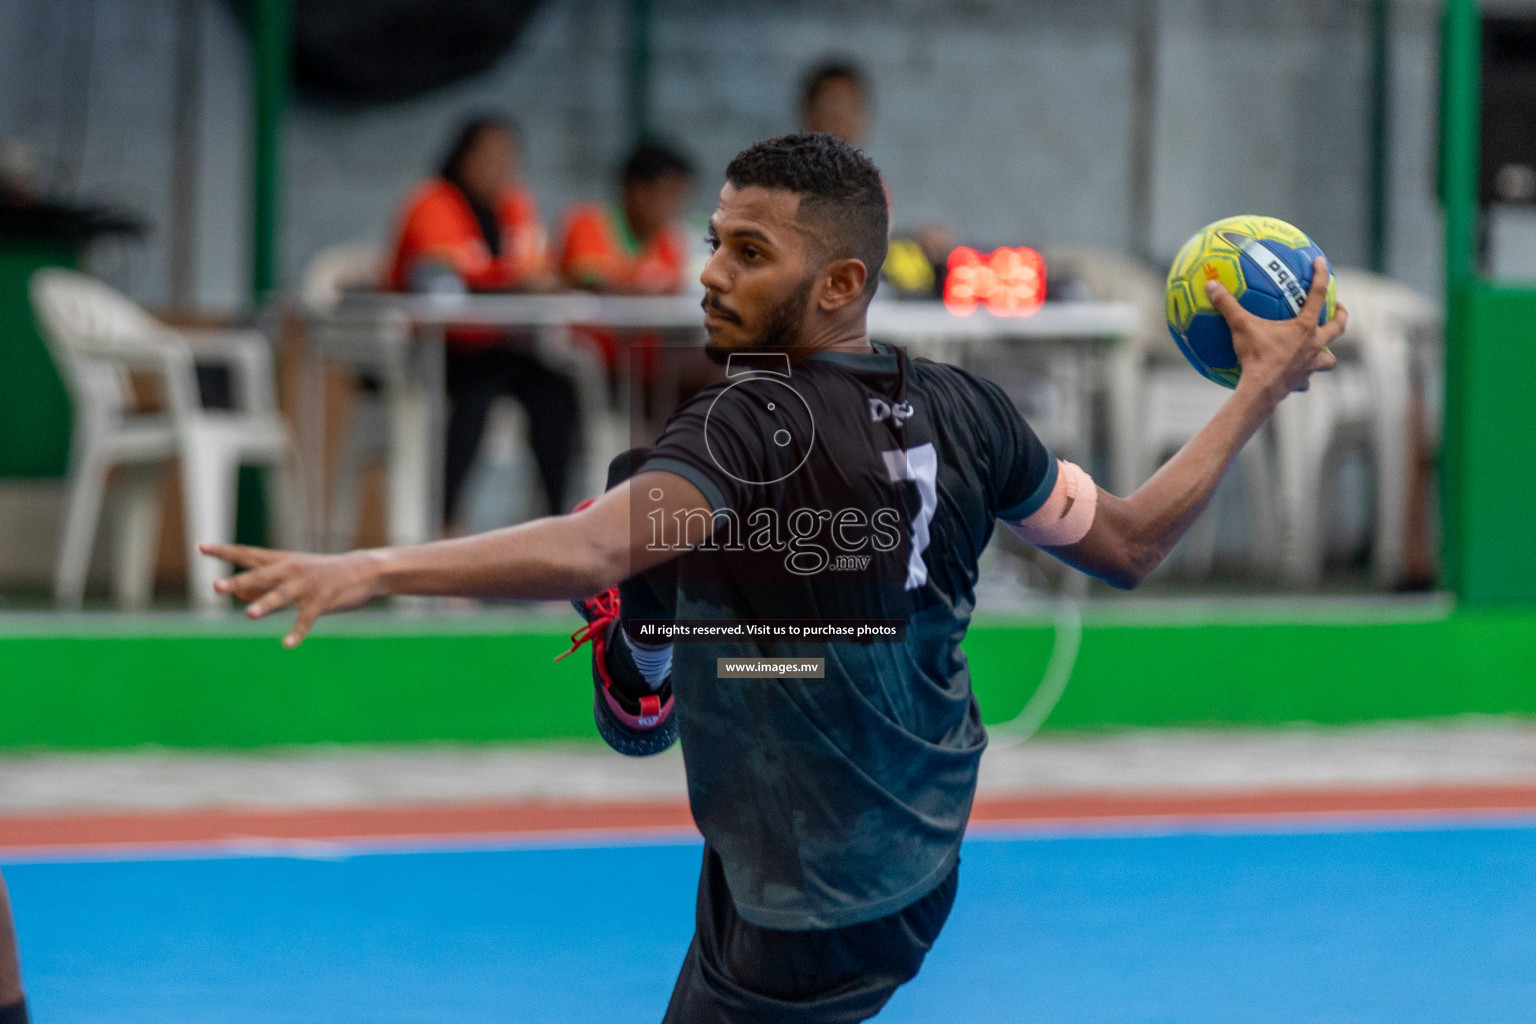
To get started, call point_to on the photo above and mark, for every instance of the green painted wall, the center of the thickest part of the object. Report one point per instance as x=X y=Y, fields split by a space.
x=181 y=683
x=1258 y=672
x=34 y=409
x=1488 y=455
x=1491 y=496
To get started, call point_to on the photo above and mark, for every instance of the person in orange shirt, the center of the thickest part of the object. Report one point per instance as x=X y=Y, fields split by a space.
x=476 y=227
x=634 y=247
x=475 y=220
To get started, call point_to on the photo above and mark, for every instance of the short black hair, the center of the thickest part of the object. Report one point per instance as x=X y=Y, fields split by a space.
x=827 y=72
x=651 y=160
x=842 y=196
x=468 y=136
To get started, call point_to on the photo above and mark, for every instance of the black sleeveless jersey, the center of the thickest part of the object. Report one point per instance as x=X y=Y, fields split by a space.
x=852 y=489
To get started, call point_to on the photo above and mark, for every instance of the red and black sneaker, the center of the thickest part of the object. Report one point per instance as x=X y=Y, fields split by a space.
x=631 y=717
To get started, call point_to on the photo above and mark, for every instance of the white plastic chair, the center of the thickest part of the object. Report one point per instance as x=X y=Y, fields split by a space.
x=1177 y=402
x=395 y=421
x=1110 y=276
x=97 y=337
x=1367 y=399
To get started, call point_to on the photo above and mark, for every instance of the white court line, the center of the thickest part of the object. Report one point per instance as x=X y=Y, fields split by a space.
x=1278 y=823
x=1041 y=830
x=343 y=848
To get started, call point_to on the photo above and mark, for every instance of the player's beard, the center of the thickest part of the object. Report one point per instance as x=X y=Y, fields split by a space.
x=779 y=333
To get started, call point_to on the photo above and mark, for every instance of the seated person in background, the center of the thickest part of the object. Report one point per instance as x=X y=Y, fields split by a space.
x=836 y=99
x=635 y=247
x=476 y=226
x=475 y=219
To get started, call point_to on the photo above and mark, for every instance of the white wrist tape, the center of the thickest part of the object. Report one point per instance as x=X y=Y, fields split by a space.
x=1067 y=514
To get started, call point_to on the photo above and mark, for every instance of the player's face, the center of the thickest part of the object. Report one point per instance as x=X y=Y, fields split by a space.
x=757 y=283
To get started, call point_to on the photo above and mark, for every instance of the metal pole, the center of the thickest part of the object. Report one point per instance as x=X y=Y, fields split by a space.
x=186 y=117
x=639 y=98
x=1380 y=139
x=272 y=40
x=1460 y=86
x=1143 y=114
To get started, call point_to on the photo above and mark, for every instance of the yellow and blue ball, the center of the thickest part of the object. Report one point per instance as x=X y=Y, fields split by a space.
x=1267 y=266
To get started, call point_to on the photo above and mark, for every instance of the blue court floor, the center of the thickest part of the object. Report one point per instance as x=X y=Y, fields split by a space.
x=1397 y=927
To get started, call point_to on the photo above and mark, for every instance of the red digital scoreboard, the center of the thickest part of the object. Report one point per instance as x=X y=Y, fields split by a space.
x=1008 y=282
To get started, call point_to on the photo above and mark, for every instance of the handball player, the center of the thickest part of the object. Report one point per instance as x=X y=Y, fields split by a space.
x=826 y=479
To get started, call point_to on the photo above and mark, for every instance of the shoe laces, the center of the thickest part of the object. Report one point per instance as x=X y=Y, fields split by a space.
x=602 y=609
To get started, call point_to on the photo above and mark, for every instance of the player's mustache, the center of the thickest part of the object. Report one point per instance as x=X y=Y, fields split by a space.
x=710 y=304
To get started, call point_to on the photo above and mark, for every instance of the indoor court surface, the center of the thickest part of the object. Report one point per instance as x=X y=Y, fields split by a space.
x=1323 y=907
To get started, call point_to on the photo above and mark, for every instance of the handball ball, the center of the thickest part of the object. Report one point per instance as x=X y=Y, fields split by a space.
x=1265 y=263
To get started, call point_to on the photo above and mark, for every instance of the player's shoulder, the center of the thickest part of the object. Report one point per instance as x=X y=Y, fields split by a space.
x=965 y=404
x=717 y=398
x=947 y=383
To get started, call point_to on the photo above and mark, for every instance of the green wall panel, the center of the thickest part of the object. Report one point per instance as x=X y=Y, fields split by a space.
x=34 y=409
x=1492 y=492
x=227 y=684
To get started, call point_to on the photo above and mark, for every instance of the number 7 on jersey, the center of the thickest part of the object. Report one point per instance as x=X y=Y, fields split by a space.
x=921 y=466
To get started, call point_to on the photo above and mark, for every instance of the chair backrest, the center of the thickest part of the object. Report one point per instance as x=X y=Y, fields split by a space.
x=85 y=322
x=1111 y=276
x=338 y=269
x=1376 y=302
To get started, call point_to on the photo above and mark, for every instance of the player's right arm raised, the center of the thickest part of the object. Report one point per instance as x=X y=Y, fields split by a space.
x=1130 y=536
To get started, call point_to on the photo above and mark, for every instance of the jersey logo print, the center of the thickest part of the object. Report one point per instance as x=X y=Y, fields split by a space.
x=921 y=466
x=897 y=412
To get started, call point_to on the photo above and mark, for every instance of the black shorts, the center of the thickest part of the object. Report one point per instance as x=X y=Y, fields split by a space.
x=737 y=972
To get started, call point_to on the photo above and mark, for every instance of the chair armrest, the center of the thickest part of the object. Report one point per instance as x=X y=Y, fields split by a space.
x=246 y=354
x=165 y=357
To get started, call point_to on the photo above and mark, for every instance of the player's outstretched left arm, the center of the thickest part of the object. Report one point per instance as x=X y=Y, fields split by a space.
x=1129 y=537
x=570 y=556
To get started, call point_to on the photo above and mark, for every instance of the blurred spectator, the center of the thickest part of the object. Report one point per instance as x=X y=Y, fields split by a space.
x=636 y=247
x=836 y=98
x=475 y=221
x=476 y=226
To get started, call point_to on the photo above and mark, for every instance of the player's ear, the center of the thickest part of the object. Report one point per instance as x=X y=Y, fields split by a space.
x=842 y=282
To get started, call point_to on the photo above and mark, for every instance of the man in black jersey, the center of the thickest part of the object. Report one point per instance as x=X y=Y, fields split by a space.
x=826 y=481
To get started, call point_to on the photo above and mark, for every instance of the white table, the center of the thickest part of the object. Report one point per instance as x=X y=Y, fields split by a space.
x=1087 y=344
x=414 y=372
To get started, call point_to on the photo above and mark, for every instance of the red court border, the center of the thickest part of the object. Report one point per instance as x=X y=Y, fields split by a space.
x=447 y=824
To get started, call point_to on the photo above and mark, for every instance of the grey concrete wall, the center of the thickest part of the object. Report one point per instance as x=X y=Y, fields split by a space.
x=1008 y=119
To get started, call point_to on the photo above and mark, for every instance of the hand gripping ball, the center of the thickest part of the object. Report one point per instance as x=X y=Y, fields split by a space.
x=1265 y=263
